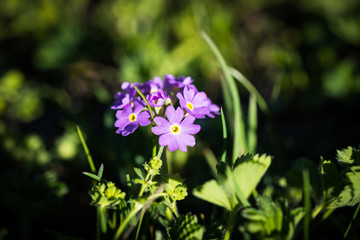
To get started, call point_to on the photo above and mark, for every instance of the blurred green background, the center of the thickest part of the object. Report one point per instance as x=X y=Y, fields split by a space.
x=61 y=62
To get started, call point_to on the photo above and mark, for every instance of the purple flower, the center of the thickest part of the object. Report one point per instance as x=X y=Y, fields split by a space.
x=195 y=103
x=121 y=100
x=158 y=98
x=180 y=82
x=175 y=131
x=155 y=84
x=129 y=88
x=131 y=117
x=214 y=109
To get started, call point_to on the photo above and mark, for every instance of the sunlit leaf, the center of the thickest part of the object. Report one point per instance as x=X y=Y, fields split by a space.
x=249 y=172
x=212 y=192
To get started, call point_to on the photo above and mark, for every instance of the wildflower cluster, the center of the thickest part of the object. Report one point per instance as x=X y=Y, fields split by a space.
x=106 y=194
x=175 y=127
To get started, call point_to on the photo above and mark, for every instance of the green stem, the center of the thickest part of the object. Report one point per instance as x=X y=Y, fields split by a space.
x=98 y=223
x=91 y=162
x=140 y=222
x=317 y=210
x=230 y=224
x=154 y=145
x=121 y=228
x=352 y=220
x=164 y=169
x=307 y=203
x=146 y=101
x=103 y=221
x=160 y=152
x=223 y=122
x=144 y=184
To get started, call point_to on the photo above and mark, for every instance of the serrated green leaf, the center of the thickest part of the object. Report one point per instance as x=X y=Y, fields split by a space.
x=265 y=221
x=212 y=192
x=139 y=173
x=347 y=191
x=249 y=173
x=186 y=227
x=344 y=156
x=348 y=156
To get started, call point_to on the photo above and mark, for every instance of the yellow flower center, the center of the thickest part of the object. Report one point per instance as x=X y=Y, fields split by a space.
x=132 y=117
x=175 y=129
x=190 y=106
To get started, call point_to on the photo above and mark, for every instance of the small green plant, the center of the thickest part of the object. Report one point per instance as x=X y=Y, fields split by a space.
x=251 y=209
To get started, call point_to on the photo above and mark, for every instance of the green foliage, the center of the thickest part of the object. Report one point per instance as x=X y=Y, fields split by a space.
x=341 y=186
x=175 y=189
x=106 y=195
x=348 y=156
x=242 y=179
x=271 y=220
x=186 y=227
x=212 y=192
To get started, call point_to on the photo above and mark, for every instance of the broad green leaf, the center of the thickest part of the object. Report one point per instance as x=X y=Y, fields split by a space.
x=249 y=173
x=212 y=192
x=347 y=191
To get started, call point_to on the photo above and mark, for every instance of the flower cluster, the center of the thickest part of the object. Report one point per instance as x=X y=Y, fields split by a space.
x=106 y=194
x=174 y=126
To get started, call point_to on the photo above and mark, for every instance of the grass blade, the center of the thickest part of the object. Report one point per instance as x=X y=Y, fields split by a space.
x=101 y=170
x=252 y=90
x=352 y=220
x=93 y=176
x=224 y=129
x=211 y=160
x=240 y=145
x=89 y=158
x=252 y=124
x=307 y=203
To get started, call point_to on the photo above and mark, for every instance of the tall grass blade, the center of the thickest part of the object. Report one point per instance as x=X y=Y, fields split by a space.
x=225 y=138
x=240 y=145
x=252 y=90
x=211 y=160
x=352 y=220
x=89 y=158
x=306 y=179
x=252 y=124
